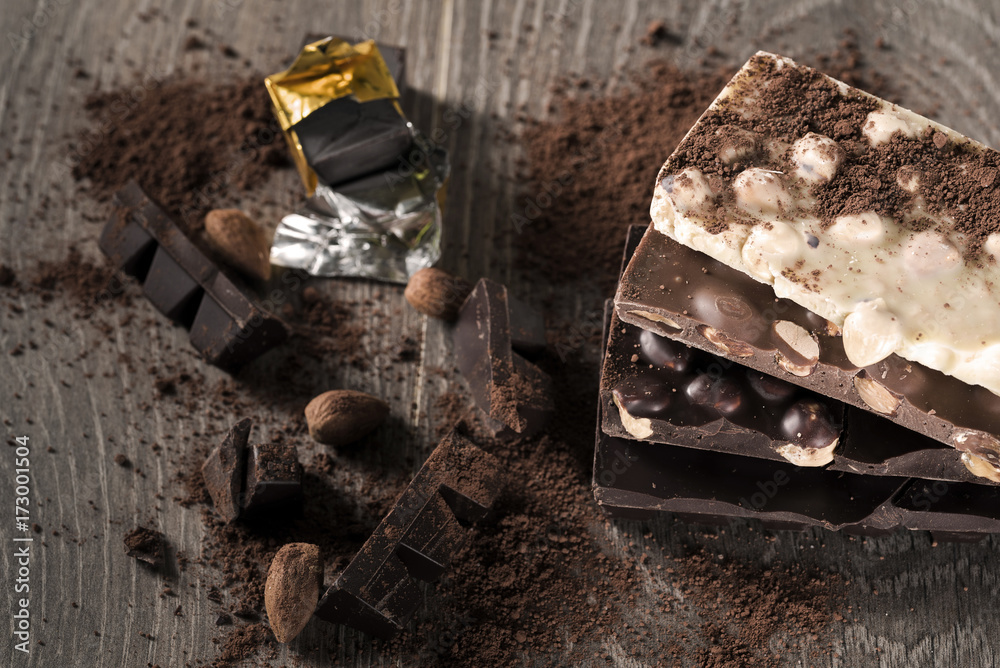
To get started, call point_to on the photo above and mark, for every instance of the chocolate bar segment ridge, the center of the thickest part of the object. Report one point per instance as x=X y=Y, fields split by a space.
x=377 y=592
x=225 y=323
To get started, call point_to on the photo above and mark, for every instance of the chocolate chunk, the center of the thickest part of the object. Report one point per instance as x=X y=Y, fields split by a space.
x=273 y=478
x=703 y=293
x=377 y=592
x=492 y=335
x=346 y=139
x=224 y=468
x=146 y=545
x=226 y=325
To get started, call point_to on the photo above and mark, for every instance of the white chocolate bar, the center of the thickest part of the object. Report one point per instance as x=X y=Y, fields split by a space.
x=910 y=285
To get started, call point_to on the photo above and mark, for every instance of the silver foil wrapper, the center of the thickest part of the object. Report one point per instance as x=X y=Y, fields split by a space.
x=386 y=226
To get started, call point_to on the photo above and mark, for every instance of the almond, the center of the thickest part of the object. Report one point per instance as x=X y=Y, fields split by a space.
x=437 y=293
x=339 y=417
x=292 y=589
x=240 y=241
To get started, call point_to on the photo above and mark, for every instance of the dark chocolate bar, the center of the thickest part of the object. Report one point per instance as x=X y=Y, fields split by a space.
x=687 y=296
x=377 y=592
x=224 y=470
x=225 y=324
x=676 y=394
x=494 y=335
x=668 y=392
x=638 y=479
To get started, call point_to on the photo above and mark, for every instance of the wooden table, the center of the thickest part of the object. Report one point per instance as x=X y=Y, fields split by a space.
x=914 y=604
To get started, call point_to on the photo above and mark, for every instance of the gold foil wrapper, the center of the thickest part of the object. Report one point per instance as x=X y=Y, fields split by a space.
x=324 y=71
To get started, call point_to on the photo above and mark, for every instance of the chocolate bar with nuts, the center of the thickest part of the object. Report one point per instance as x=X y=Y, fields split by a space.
x=495 y=335
x=638 y=479
x=689 y=297
x=657 y=389
x=660 y=390
x=377 y=592
x=865 y=213
x=224 y=322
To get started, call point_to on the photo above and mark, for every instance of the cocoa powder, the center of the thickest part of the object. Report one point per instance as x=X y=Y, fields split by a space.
x=185 y=140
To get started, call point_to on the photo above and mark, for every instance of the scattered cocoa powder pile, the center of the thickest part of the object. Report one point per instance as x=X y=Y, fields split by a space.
x=590 y=171
x=86 y=282
x=744 y=608
x=184 y=140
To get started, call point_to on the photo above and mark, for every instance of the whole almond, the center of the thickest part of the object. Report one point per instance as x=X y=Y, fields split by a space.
x=240 y=241
x=339 y=417
x=437 y=293
x=292 y=589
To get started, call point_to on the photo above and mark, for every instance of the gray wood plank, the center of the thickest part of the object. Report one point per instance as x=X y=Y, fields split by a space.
x=935 y=604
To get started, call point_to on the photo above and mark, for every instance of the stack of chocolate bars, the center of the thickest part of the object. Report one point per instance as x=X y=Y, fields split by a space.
x=807 y=333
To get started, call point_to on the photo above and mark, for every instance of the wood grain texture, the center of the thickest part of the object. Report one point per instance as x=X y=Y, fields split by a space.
x=914 y=604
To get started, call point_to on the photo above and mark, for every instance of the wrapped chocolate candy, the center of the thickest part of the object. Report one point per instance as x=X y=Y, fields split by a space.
x=376 y=183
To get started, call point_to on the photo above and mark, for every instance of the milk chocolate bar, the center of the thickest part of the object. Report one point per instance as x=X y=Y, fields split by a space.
x=494 y=336
x=687 y=296
x=225 y=324
x=377 y=592
x=657 y=389
x=869 y=215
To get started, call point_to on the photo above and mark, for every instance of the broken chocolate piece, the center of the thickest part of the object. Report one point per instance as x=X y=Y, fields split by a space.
x=377 y=592
x=146 y=545
x=223 y=470
x=273 y=478
x=226 y=325
x=493 y=335
x=249 y=480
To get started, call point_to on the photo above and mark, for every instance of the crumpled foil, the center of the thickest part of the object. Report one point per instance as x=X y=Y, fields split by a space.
x=386 y=226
